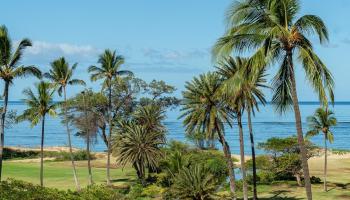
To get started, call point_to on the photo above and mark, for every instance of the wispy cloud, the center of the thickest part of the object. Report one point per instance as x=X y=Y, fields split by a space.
x=40 y=47
x=174 y=55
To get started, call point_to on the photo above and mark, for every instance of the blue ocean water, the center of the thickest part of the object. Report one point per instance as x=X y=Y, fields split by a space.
x=266 y=124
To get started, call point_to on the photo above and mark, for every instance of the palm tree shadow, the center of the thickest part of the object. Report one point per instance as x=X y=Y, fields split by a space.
x=276 y=196
x=343 y=186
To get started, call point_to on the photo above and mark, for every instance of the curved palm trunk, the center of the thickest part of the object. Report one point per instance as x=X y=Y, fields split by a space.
x=110 y=133
x=251 y=135
x=325 y=163
x=298 y=124
x=241 y=147
x=230 y=166
x=42 y=152
x=77 y=185
x=2 y=123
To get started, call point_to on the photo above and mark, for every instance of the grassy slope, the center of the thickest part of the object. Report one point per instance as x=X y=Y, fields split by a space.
x=59 y=175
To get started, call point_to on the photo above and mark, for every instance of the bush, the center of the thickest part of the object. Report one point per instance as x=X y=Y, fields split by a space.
x=10 y=153
x=15 y=190
x=315 y=180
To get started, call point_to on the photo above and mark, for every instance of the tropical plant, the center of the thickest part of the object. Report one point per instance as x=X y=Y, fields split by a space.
x=135 y=144
x=109 y=70
x=244 y=92
x=10 y=69
x=61 y=75
x=194 y=183
x=321 y=122
x=39 y=105
x=271 y=30
x=204 y=111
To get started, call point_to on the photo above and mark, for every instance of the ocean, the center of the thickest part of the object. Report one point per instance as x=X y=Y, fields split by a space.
x=266 y=123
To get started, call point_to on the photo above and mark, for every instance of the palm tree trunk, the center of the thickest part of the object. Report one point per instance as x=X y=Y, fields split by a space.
x=2 y=123
x=230 y=166
x=87 y=141
x=325 y=163
x=298 y=124
x=42 y=152
x=110 y=132
x=241 y=147
x=77 y=185
x=104 y=136
x=251 y=135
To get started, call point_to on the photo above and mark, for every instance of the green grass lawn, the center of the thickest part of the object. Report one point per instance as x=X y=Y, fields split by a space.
x=60 y=175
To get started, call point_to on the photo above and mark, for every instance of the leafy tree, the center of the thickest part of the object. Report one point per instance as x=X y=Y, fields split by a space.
x=61 y=75
x=322 y=121
x=109 y=70
x=271 y=30
x=194 y=182
x=160 y=93
x=204 y=111
x=39 y=105
x=10 y=69
x=244 y=92
x=86 y=120
x=137 y=145
x=285 y=160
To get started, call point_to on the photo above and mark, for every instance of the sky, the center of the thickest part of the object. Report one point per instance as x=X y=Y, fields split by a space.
x=160 y=39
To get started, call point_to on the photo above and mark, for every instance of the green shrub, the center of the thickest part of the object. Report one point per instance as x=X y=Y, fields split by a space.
x=10 y=153
x=17 y=190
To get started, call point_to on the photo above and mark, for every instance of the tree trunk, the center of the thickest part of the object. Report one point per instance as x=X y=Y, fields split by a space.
x=241 y=147
x=251 y=135
x=42 y=151
x=104 y=136
x=298 y=124
x=110 y=132
x=87 y=140
x=77 y=185
x=230 y=166
x=297 y=176
x=2 y=123
x=325 y=163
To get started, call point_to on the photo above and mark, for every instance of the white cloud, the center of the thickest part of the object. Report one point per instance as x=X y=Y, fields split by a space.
x=40 y=47
x=174 y=55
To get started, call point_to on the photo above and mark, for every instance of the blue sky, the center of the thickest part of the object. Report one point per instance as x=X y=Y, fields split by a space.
x=160 y=39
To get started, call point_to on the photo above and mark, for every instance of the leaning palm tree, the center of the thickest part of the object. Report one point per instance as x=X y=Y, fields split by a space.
x=204 y=111
x=271 y=30
x=11 y=69
x=110 y=64
x=245 y=92
x=135 y=144
x=39 y=105
x=322 y=121
x=61 y=75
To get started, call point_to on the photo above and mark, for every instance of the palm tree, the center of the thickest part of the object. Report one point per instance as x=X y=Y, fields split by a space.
x=245 y=92
x=39 y=105
x=271 y=30
x=136 y=145
x=194 y=183
x=61 y=75
x=204 y=111
x=11 y=69
x=109 y=70
x=322 y=121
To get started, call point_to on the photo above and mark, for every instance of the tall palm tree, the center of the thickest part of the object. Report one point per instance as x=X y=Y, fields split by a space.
x=322 y=121
x=39 y=105
x=61 y=75
x=136 y=145
x=204 y=111
x=11 y=69
x=271 y=30
x=245 y=92
x=110 y=64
